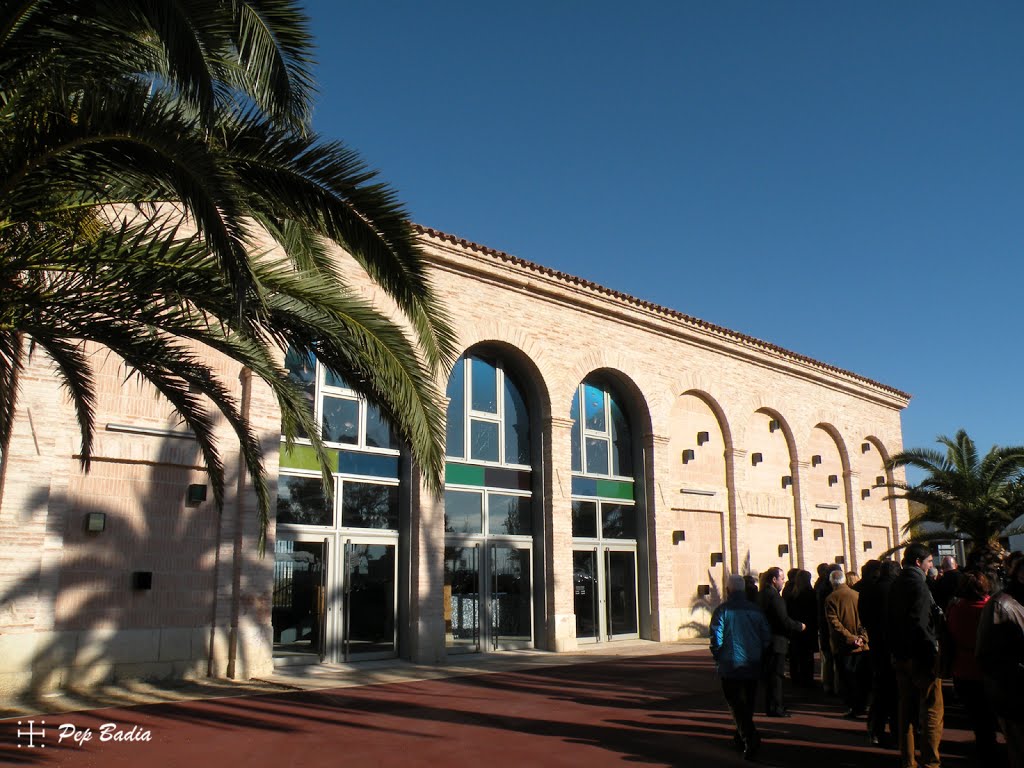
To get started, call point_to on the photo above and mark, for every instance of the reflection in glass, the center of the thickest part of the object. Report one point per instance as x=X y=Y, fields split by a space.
x=597 y=456
x=378 y=431
x=483 y=440
x=298 y=607
x=371 y=596
x=619 y=521
x=584 y=519
x=340 y=420
x=484 y=384
x=302 y=372
x=593 y=398
x=331 y=379
x=577 y=449
x=455 y=440
x=511 y=615
x=517 y=425
x=584 y=585
x=622 y=448
x=462 y=596
x=463 y=512
x=301 y=501
x=369 y=505
x=621 y=578
x=509 y=514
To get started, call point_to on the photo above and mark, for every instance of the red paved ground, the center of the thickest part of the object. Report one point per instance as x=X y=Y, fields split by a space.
x=653 y=710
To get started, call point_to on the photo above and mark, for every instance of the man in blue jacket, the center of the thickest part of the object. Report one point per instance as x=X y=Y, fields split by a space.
x=739 y=637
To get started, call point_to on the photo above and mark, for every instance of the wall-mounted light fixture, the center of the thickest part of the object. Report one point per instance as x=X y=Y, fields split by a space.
x=832 y=480
x=756 y=458
x=702 y=437
x=787 y=480
x=195 y=495
x=716 y=558
x=880 y=480
x=703 y=590
x=865 y=492
x=774 y=425
x=840 y=560
x=865 y=447
x=783 y=549
x=678 y=536
x=867 y=545
x=815 y=460
x=688 y=455
x=95 y=522
x=819 y=533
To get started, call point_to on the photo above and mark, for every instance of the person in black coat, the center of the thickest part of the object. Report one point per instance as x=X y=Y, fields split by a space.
x=913 y=623
x=782 y=626
x=874 y=608
x=802 y=604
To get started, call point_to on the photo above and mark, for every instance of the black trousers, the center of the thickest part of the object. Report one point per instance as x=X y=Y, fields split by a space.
x=855 y=671
x=774 y=671
x=741 y=695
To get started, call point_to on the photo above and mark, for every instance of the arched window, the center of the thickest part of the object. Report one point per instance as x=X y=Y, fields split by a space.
x=601 y=439
x=488 y=420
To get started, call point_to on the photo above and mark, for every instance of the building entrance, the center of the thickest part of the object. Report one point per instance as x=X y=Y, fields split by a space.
x=335 y=598
x=605 y=589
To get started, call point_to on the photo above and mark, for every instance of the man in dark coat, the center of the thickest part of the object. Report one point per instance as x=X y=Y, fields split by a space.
x=914 y=640
x=782 y=626
x=949 y=582
x=874 y=609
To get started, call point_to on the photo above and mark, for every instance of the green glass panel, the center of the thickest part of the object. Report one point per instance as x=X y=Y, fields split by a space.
x=614 y=489
x=463 y=474
x=304 y=457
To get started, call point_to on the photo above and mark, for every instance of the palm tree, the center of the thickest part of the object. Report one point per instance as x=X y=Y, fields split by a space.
x=976 y=496
x=146 y=148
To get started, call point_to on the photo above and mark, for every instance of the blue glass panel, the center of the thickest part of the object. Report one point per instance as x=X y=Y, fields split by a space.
x=484 y=382
x=483 y=440
x=619 y=521
x=331 y=379
x=593 y=401
x=577 y=444
x=584 y=519
x=369 y=464
x=301 y=501
x=517 y=425
x=597 y=456
x=369 y=505
x=340 y=420
x=584 y=486
x=509 y=514
x=455 y=439
x=378 y=431
x=622 y=441
x=463 y=512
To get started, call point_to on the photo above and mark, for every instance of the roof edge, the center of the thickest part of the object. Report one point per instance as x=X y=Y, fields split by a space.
x=652 y=307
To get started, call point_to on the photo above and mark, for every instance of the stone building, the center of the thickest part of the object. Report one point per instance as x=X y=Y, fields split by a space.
x=610 y=461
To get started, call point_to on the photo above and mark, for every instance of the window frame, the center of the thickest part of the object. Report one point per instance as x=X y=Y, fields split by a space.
x=470 y=415
x=606 y=436
x=336 y=504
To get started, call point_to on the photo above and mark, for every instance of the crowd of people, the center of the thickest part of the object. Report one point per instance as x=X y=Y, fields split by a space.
x=885 y=639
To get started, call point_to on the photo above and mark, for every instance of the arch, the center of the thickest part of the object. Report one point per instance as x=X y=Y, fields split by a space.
x=718 y=410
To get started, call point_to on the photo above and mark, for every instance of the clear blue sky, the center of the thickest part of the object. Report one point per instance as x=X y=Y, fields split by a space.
x=845 y=180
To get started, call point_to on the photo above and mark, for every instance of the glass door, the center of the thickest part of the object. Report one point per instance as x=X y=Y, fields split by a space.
x=369 y=600
x=335 y=602
x=488 y=592
x=299 y=613
x=604 y=593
